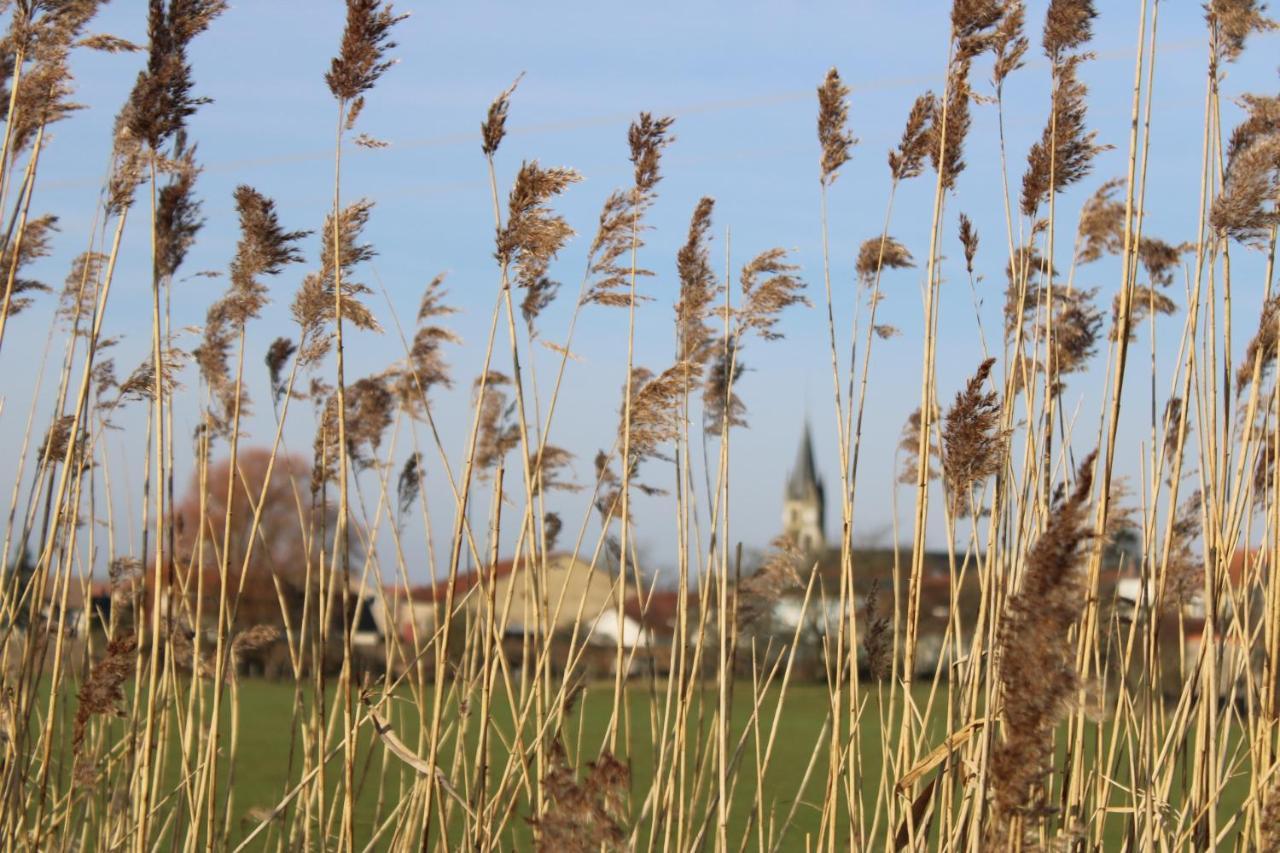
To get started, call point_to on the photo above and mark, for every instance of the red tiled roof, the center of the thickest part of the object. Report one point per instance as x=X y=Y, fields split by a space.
x=463 y=583
x=660 y=609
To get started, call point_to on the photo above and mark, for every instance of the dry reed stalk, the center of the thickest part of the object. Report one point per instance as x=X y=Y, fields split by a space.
x=360 y=62
x=529 y=241
x=835 y=141
x=692 y=729
x=1038 y=674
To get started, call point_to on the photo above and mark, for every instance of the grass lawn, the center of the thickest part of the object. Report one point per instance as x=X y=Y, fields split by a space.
x=266 y=739
x=263 y=754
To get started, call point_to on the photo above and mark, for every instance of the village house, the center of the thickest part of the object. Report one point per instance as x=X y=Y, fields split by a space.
x=576 y=610
x=803 y=523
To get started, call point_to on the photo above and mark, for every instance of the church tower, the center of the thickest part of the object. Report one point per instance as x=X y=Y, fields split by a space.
x=804 y=503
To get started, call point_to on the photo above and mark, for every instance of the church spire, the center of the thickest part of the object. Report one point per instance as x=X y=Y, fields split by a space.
x=804 y=504
x=804 y=480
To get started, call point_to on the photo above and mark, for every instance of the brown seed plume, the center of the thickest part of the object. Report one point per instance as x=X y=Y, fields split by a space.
x=907 y=160
x=253 y=639
x=127 y=161
x=877 y=254
x=499 y=433
x=80 y=290
x=264 y=249
x=494 y=126
x=1234 y=21
x=968 y=239
x=370 y=406
x=313 y=305
x=369 y=413
x=877 y=639
x=1263 y=346
x=361 y=58
x=552 y=525
x=140 y=384
x=1101 y=228
x=1145 y=301
x=1263 y=120
x=278 y=355
x=768 y=287
x=721 y=405
x=1160 y=259
x=1008 y=44
x=102 y=692
x=648 y=136
x=1064 y=154
x=108 y=43
x=1026 y=267
x=126 y=588
x=971 y=25
x=409 y=483
x=425 y=368
x=621 y=220
x=550 y=475
x=162 y=100
x=1270 y=819
x=54 y=446
x=1077 y=323
x=533 y=234
x=1183 y=576
x=1172 y=421
x=761 y=590
x=1068 y=24
x=35 y=244
x=972 y=441
x=655 y=410
x=608 y=500
x=1247 y=207
x=178 y=218
x=586 y=816
x=909 y=445
x=1037 y=660
x=44 y=33
x=950 y=125
x=1264 y=468
x=834 y=137
x=698 y=289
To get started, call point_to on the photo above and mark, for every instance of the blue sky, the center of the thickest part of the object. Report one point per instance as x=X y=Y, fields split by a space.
x=739 y=79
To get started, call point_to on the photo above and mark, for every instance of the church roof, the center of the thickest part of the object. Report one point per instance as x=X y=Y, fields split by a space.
x=804 y=481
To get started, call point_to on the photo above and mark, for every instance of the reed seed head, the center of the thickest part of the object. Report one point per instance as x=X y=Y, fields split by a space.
x=721 y=406
x=1064 y=154
x=1233 y=21
x=1038 y=677
x=880 y=253
x=907 y=160
x=968 y=239
x=973 y=443
x=1068 y=24
x=698 y=289
x=834 y=136
x=361 y=58
x=769 y=286
x=494 y=127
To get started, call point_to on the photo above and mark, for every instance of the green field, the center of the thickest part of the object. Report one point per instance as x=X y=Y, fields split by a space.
x=265 y=768
x=263 y=750
x=267 y=763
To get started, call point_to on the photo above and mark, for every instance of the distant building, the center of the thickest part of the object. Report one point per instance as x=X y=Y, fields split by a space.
x=804 y=502
x=884 y=569
x=86 y=608
x=576 y=606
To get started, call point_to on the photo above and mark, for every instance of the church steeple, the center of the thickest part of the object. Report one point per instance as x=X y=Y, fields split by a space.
x=804 y=503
